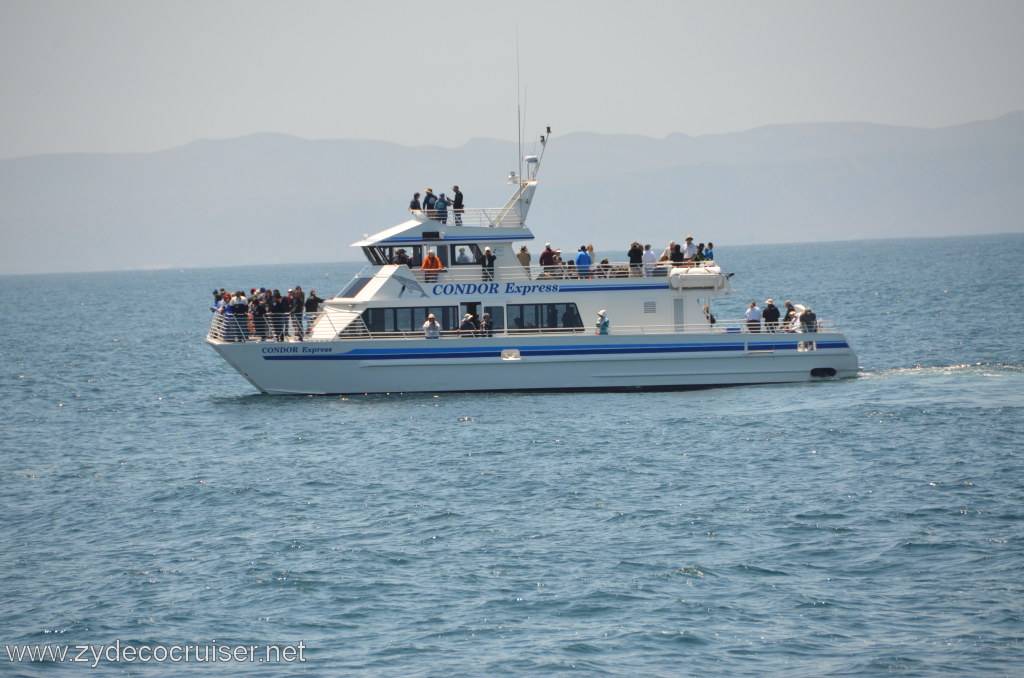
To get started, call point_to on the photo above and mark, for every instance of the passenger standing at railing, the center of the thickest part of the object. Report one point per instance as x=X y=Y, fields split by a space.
x=298 y=307
x=602 y=322
x=770 y=316
x=667 y=254
x=689 y=250
x=441 y=207
x=649 y=259
x=431 y=330
x=709 y=252
x=524 y=259
x=677 y=255
x=487 y=261
x=547 y=258
x=431 y=265
x=277 y=315
x=414 y=204
x=487 y=326
x=583 y=262
x=467 y=328
x=428 y=203
x=458 y=206
x=240 y=315
x=788 y=317
x=753 y=316
x=313 y=302
x=258 y=308
x=636 y=259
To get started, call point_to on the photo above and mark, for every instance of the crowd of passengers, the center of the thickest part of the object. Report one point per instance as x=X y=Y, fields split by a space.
x=265 y=313
x=643 y=261
x=796 y=318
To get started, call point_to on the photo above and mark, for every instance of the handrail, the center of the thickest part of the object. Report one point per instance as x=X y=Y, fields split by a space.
x=333 y=324
x=474 y=272
x=486 y=217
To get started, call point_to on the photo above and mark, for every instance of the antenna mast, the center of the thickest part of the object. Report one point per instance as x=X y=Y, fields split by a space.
x=519 y=113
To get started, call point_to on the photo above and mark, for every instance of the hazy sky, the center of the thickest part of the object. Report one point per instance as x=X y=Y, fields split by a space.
x=140 y=75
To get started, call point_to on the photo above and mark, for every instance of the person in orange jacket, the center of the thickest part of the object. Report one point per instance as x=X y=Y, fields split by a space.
x=431 y=265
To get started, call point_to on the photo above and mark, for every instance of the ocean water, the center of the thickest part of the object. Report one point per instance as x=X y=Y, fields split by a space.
x=863 y=527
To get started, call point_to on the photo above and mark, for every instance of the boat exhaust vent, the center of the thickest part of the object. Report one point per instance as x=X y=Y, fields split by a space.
x=823 y=372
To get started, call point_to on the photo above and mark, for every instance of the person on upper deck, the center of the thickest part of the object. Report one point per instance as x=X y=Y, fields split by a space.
x=431 y=265
x=487 y=261
x=789 y=315
x=649 y=260
x=441 y=207
x=487 y=326
x=636 y=259
x=753 y=316
x=428 y=203
x=667 y=254
x=677 y=255
x=583 y=262
x=401 y=258
x=709 y=252
x=809 y=320
x=463 y=258
x=689 y=250
x=770 y=314
x=414 y=204
x=458 y=206
x=524 y=259
x=547 y=257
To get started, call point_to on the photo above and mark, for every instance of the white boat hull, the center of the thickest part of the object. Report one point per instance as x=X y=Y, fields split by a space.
x=571 y=362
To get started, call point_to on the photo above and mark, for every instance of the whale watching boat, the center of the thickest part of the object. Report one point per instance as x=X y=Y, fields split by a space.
x=545 y=331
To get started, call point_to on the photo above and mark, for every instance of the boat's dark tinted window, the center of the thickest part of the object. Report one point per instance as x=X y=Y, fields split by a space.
x=537 y=316
x=406 y=319
x=354 y=287
x=497 y=316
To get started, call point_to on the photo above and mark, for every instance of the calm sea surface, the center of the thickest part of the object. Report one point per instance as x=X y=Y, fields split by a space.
x=865 y=527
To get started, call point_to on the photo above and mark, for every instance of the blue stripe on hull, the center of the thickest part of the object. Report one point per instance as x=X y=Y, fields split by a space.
x=567 y=351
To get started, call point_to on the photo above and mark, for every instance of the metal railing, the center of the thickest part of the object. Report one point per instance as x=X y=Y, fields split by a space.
x=489 y=217
x=474 y=272
x=338 y=324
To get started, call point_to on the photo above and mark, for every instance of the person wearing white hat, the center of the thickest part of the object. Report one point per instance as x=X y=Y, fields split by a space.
x=467 y=328
x=689 y=249
x=602 y=322
x=431 y=329
x=770 y=315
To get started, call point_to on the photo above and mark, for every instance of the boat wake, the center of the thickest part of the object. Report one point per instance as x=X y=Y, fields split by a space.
x=966 y=369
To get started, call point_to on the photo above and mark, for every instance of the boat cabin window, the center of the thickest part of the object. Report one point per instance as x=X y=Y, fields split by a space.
x=409 y=319
x=548 y=316
x=377 y=255
x=354 y=287
x=497 y=316
x=471 y=253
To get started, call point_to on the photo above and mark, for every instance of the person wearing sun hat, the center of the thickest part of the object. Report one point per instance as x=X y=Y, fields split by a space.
x=689 y=249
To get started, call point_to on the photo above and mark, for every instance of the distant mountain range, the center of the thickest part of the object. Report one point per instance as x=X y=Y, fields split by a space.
x=272 y=198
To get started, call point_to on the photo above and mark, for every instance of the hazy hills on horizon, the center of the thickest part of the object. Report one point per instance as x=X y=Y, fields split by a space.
x=272 y=198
